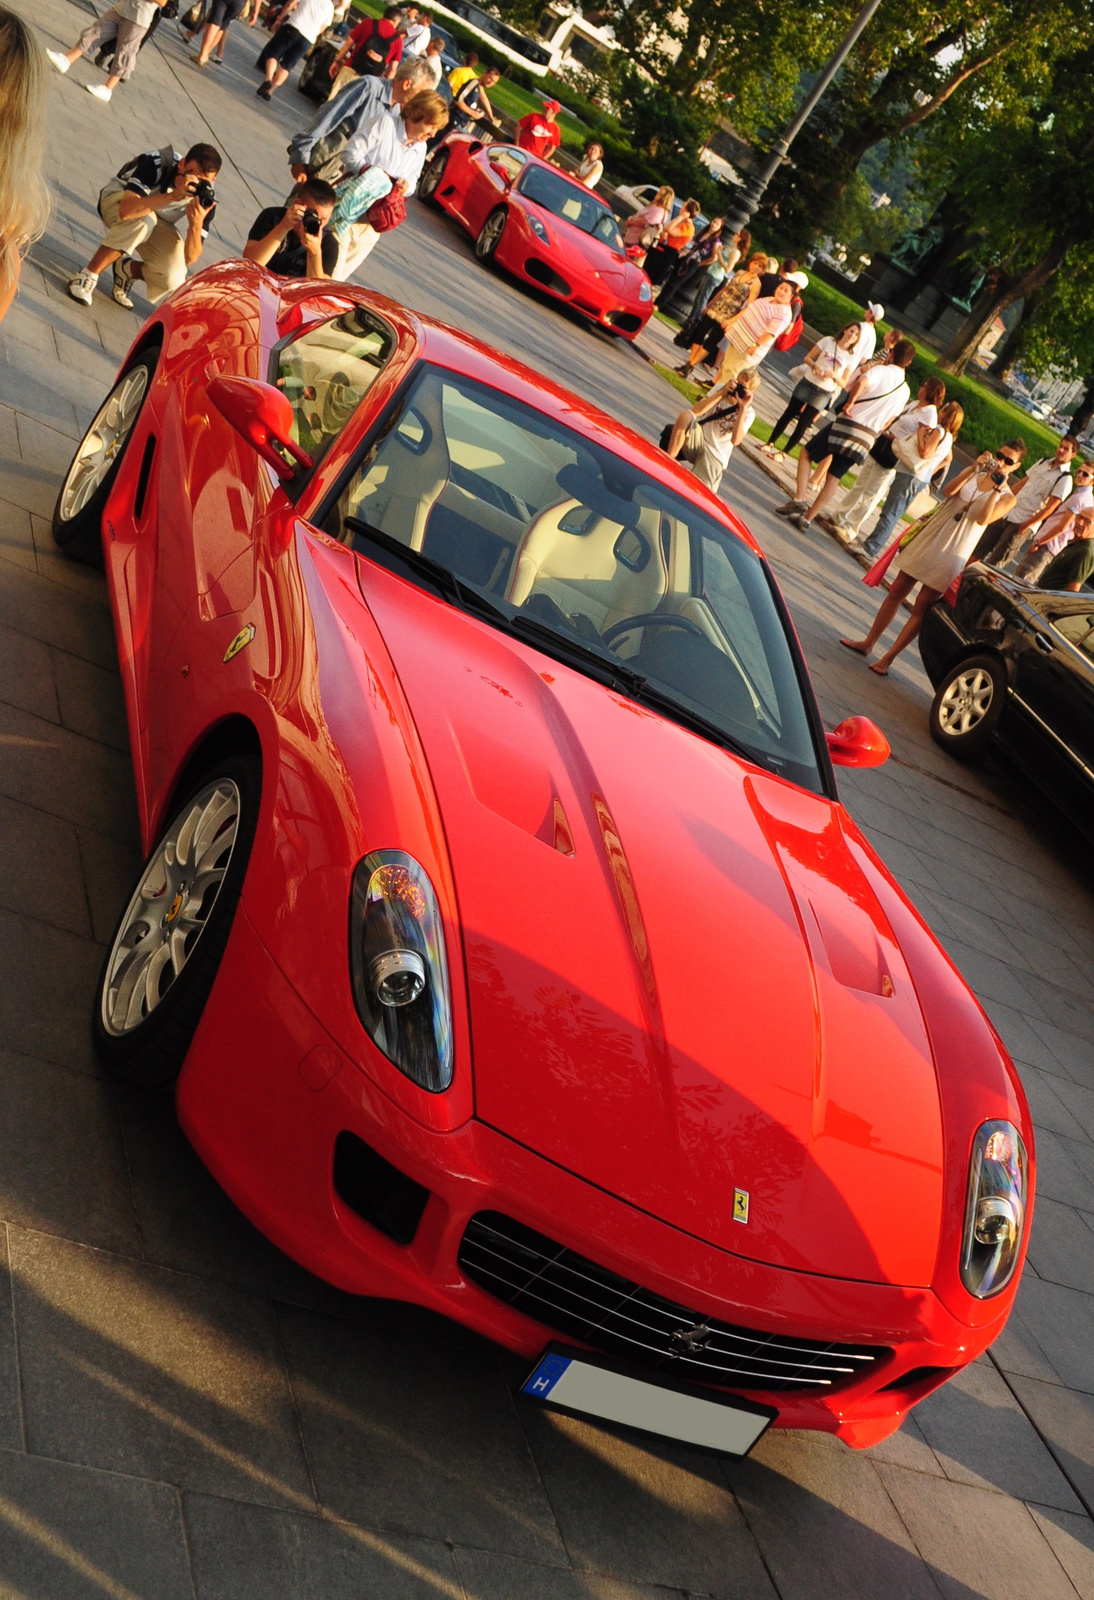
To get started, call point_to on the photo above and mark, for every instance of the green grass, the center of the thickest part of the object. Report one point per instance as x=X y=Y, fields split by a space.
x=517 y=102
x=989 y=419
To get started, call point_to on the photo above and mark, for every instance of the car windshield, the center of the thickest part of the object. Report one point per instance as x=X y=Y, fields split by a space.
x=545 y=533
x=572 y=202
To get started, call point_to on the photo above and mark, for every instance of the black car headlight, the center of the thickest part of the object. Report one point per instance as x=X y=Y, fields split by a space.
x=644 y=290
x=537 y=228
x=398 y=966
x=995 y=1211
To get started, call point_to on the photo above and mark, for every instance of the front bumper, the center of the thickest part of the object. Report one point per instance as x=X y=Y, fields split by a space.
x=265 y=1093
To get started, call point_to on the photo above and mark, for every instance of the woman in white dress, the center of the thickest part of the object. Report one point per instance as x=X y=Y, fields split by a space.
x=942 y=546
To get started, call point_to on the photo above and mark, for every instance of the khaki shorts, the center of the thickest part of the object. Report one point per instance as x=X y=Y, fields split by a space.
x=733 y=364
x=356 y=243
x=156 y=243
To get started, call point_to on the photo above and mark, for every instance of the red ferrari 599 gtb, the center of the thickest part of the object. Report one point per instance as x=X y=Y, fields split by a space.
x=502 y=936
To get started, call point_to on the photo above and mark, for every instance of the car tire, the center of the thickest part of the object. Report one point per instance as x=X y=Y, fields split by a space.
x=968 y=703
x=431 y=179
x=490 y=235
x=78 y=513
x=156 y=978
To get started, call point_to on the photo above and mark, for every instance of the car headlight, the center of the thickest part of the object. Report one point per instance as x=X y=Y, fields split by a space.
x=995 y=1212
x=644 y=290
x=399 y=968
x=537 y=228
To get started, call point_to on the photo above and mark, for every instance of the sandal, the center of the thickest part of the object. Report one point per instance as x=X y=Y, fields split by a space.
x=882 y=672
x=849 y=644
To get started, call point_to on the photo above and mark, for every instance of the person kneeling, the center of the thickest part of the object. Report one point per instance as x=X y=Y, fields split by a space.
x=714 y=427
x=292 y=241
x=141 y=206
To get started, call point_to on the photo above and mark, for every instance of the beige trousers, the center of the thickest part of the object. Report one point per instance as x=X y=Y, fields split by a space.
x=358 y=241
x=345 y=75
x=157 y=244
x=734 y=363
x=871 y=486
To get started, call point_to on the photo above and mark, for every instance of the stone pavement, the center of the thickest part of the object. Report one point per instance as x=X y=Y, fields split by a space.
x=185 y=1413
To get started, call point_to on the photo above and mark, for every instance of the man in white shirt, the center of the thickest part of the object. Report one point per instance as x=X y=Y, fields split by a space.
x=875 y=479
x=866 y=343
x=302 y=22
x=431 y=57
x=875 y=398
x=1058 y=528
x=416 y=33
x=1044 y=488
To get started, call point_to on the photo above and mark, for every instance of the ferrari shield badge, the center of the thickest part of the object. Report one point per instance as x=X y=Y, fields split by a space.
x=740 y=1205
x=240 y=642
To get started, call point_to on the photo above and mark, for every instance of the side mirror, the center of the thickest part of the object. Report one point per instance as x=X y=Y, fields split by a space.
x=263 y=416
x=857 y=742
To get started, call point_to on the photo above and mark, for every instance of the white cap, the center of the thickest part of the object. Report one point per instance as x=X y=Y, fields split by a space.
x=875 y=310
x=799 y=278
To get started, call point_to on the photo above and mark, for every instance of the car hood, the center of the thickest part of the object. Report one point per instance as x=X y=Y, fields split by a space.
x=682 y=987
x=576 y=246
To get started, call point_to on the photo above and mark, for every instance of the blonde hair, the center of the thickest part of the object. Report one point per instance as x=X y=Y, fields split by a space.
x=664 y=197
x=951 y=416
x=427 y=107
x=24 y=195
x=750 y=376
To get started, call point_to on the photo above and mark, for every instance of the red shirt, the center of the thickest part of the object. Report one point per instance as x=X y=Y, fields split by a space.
x=374 y=34
x=535 y=133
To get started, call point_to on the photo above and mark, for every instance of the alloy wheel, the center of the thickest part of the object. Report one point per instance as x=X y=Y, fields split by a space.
x=966 y=702
x=171 y=907
x=103 y=442
x=490 y=237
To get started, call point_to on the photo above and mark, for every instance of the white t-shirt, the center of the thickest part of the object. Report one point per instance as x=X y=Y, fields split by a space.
x=436 y=67
x=883 y=396
x=941 y=451
x=590 y=173
x=865 y=345
x=310 y=17
x=1081 y=500
x=381 y=142
x=917 y=416
x=416 y=38
x=1047 y=481
x=828 y=361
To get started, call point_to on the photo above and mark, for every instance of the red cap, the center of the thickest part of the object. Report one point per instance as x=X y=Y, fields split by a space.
x=552 y=105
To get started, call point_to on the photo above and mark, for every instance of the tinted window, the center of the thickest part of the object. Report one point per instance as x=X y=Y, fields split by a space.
x=509 y=161
x=550 y=526
x=572 y=202
x=326 y=372
x=1077 y=628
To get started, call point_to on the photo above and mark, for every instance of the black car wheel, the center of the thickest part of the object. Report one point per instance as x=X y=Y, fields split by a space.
x=171 y=936
x=78 y=514
x=430 y=180
x=967 y=706
x=486 y=245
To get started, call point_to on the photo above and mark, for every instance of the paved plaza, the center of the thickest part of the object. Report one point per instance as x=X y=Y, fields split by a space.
x=185 y=1414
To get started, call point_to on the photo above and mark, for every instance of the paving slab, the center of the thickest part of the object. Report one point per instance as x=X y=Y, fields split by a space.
x=488 y=1576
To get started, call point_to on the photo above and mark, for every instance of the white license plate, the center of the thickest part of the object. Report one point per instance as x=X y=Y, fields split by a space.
x=589 y=1386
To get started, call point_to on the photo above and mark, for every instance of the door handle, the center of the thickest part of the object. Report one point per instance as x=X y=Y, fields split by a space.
x=1043 y=642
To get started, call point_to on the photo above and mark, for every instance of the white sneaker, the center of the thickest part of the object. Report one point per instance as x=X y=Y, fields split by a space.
x=82 y=287
x=62 y=63
x=99 y=90
x=123 y=278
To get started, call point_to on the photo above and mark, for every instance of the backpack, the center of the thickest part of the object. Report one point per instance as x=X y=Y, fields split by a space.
x=371 y=54
x=385 y=214
x=787 y=340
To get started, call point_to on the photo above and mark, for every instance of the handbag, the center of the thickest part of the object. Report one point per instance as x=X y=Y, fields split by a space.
x=649 y=236
x=787 y=340
x=908 y=456
x=883 y=452
x=800 y=371
x=692 y=447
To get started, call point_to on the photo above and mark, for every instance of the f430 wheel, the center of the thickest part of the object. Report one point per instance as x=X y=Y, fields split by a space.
x=78 y=514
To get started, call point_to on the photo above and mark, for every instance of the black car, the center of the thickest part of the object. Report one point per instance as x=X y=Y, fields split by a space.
x=1016 y=665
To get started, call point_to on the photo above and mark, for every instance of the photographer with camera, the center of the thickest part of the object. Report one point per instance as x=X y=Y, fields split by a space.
x=142 y=206
x=292 y=240
x=706 y=436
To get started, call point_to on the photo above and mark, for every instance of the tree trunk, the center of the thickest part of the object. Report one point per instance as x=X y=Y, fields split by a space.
x=1010 y=351
x=1084 y=412
x=967 y=338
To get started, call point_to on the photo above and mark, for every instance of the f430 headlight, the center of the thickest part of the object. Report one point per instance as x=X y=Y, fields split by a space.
x=995 y=1211
x=399 y=968
x=644 y=290
x=537 y=228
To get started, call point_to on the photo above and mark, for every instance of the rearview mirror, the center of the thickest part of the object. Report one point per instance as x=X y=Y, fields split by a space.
x=857 y=742
x=261 y=415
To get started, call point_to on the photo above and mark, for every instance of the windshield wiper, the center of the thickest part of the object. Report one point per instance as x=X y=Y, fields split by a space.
x=575 y=652
x=441 y=578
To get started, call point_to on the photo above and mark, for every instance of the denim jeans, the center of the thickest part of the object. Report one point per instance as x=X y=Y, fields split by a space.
x=901 y=494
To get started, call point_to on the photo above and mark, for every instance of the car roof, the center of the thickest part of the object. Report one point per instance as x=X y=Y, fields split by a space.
x=532 y=160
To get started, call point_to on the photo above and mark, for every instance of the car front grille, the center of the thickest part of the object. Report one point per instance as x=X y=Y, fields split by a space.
x=576 y=1297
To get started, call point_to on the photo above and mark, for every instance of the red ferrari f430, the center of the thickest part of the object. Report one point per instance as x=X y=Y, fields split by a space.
x=502 y=935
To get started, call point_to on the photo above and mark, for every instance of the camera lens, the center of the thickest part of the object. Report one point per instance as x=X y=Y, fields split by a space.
x=311 y=221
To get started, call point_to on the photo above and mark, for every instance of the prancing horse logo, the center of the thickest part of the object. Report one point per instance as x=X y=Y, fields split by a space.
x=690 y=1341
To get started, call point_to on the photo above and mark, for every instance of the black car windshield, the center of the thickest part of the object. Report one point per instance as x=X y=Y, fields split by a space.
x=571 y=202
x=545 y=533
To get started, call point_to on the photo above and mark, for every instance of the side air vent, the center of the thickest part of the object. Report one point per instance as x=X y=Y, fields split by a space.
x=378 y=1192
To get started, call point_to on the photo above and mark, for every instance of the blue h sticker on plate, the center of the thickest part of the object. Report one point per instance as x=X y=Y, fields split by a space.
x=546 y=1375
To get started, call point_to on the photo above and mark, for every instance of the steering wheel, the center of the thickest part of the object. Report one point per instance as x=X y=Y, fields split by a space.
x=650 y=619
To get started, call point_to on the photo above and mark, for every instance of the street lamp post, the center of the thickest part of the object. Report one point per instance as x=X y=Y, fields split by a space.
x=753 y=192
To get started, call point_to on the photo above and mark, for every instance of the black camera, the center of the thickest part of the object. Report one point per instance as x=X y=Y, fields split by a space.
x=999 y=479
x=310 y=221
x=204 y=193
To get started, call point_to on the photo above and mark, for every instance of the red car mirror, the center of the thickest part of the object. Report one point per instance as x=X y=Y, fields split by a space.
x=263 y=416
x=857 y=742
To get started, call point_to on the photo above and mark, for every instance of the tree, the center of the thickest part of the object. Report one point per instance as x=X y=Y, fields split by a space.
x=1024 y=186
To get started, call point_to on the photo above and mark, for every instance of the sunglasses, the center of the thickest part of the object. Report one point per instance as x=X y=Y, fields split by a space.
x=1084 y=472
x=1008 y=461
